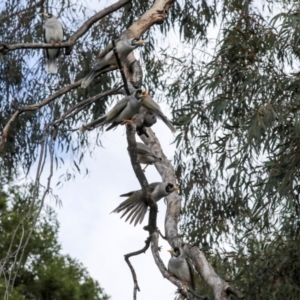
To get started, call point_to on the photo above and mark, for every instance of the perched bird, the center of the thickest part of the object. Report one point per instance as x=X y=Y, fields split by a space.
x=135 y=206
x=107 y=59
x=149 y=120
x=122 y=112
x=149 y=105
x=53 y=33
x=180 y=267
x=145 y=156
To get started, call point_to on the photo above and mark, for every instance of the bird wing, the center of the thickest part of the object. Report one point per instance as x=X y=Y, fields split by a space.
x=143 y=149
x=153 y=107
x=193 y=285
x=108 y=48
x=117 y=109
x=128 y=194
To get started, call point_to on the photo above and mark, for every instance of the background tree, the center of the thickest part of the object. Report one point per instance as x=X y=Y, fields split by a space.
x=47 y=274
x=236 y=108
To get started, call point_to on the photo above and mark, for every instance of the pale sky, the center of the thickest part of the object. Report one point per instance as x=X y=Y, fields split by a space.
x=99 y=239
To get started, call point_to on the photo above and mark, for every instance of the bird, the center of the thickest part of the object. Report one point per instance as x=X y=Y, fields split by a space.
x=149 y=120
x=53 y=33
x=121 y=113
x=136 y=207
x=145 y=156
x=107 y=59
x=149 y=105
x=180 y=267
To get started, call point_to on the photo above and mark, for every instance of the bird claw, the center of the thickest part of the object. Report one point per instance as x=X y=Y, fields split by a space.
x=125 y=121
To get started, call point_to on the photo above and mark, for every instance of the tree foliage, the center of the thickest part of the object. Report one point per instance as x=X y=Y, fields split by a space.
x=46 y=273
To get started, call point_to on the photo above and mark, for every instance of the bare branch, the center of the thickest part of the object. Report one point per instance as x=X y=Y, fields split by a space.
x=143 y=250
x=120 y=67
x=130 y=132
x=221 y=288
x=155 y=15
x=5 y=48
x=34 y=107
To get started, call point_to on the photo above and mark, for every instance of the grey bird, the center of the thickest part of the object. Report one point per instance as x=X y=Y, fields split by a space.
x=149 y=105
x=107 y=59
x=53 y=33
x=134 y=206
x=148 y=120
x=180 y=267
x=121 y=113
x=145 y=156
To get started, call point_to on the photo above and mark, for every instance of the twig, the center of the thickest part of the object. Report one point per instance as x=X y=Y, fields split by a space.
x=143 y=250
x=162 y=236
x=121 y=68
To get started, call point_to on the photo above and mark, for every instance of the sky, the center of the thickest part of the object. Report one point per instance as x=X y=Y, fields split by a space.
x=99 y=239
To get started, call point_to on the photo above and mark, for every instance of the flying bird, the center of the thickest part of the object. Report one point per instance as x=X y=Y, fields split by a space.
x=149 y=105
x=107 y=59
x=180 y=267
x=121 y=113
x=53 y=33
x=136 y=208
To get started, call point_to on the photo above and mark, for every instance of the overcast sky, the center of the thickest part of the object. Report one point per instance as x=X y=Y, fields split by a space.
x=99 y=239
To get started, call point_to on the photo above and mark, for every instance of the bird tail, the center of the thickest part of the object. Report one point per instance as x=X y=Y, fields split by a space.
x=92 y=125
x=51 y=66
x=168 y=122
x=88 y=79
x=135 y=209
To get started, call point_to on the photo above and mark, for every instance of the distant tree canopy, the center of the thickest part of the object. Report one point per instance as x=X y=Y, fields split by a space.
x=47 y=274
x=234 y=94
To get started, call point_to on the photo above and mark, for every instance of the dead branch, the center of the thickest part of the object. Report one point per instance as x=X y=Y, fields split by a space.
x=5 y=47
x=143 y=250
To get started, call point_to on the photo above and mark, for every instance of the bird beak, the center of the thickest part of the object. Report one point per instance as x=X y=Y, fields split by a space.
x=171 y=251
x=145 y=93
x=176 y=188
x=43 y=14
x=141 y=42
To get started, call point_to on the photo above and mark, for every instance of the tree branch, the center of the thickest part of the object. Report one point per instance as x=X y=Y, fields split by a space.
x=143 y=250
x=34 y=107
x=130 y=132
x=5 y=48
x=120 y=68
x=221 y=288
x=75 y=109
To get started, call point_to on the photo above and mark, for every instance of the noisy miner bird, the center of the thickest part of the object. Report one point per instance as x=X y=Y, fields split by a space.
x=107 y=59
x=145 y=156
x=149 y=105
x=122 y=112
x=53 y=33
x=180 y=267
x=136 y=207
x=149 y=120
